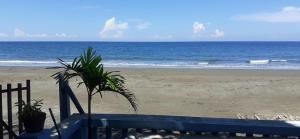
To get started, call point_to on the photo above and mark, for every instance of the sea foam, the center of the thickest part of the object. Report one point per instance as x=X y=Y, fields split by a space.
x=259 y=61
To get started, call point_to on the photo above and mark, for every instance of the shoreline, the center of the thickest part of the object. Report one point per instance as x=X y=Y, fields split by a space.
x=160 y=68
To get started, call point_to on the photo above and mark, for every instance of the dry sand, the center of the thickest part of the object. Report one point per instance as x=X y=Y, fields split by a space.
x=188 y=92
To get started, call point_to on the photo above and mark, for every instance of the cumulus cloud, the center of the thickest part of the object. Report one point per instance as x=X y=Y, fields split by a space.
x=286 y=14
x=143 y=25
x=112 y=29
x=198 y=27
x=218 y=34
x=3 y=35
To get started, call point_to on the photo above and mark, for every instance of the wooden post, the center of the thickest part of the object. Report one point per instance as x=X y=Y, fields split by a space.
x=169 y=131
x=95 y=133
x=214 y=133
x=124 y=133
x=249 y=135
x=182 y=132
x=231 y=134
x=9 y=111
x=20 y=107
x=108 y=133
x=64 y=101
x=154 y=131
x=28 y=91
x=1 y=113
x=139 y=130
x=71 y=95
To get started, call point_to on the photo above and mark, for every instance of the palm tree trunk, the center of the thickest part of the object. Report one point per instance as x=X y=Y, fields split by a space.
x=89 y=117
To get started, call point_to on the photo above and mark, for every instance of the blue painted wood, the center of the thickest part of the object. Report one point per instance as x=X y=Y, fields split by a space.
x=45 y=134
x=124 y=133
x=154 y=131
x=95 y=133
x=64 y=101
x=189 y=124
x=72 y=96
x=65 y=94
x=108 y=133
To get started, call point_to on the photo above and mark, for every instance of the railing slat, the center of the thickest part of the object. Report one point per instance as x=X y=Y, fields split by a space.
x=9 y=110
x=232 y=134
x=108 y=133
x=192 y=125
x=14 y=89
x=154 y=131
x=124 y=133
x=249 y=135
x=20 y=107
x=28 y=91
x=1 y=113
x=139 y=130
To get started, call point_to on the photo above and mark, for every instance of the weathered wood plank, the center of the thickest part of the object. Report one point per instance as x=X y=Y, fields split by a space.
x=14 y=89
x=124 y=133
x=72 y=96
x=179 y=123
x=108 y=133
x=189 y=124
x=20 y=107
x=64 y=101
x=9 y=111
x=1 y=113
x=28 y=91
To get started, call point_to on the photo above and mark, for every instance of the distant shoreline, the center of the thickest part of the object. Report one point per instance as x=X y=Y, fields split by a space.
x=154 y=68
x=155 y=41
x=199 y=55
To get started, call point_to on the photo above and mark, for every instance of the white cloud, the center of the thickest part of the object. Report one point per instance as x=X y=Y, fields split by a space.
x=61 y=35
x=21 y=34
x=198 y=27
x=143 y=25
x=218 y=34
x=3 y=35
x=286 y=14
x=18 y=33
x=64 y=35
x=164 y=37
x=37 y=35
x=112 y=29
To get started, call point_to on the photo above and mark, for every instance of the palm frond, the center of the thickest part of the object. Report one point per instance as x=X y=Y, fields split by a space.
x=88 y=66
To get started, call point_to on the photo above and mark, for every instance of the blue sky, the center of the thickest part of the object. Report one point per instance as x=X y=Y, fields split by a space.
x=150 y=20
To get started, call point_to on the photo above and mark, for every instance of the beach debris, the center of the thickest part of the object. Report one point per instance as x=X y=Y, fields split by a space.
x=256 y=116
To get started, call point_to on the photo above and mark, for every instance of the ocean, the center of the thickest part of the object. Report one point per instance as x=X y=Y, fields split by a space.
x=206 y=55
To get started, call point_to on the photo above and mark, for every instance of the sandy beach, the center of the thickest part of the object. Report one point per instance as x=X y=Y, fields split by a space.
x=187 y=92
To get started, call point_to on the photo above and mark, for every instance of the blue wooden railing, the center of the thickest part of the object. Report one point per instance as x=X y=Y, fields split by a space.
x=74 y=126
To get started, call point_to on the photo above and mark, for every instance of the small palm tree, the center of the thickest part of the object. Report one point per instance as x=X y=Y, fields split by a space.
x=89 y=68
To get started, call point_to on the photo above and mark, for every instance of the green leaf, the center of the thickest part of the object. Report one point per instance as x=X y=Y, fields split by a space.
x=89 y=68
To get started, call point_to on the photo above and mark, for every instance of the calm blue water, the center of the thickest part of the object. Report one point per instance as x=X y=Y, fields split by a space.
x=240 y=55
